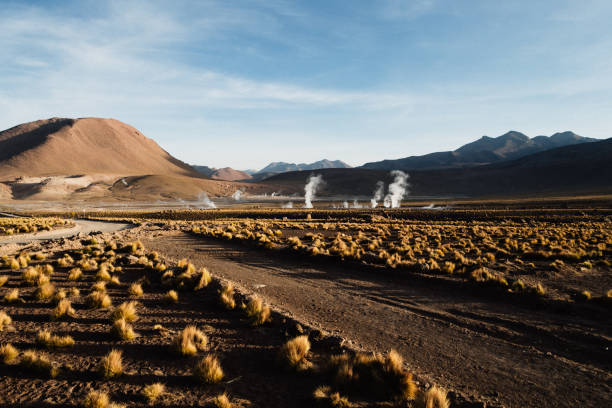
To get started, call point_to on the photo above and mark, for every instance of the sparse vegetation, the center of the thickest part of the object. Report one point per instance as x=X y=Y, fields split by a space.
x=171 y=296
x=8 y=353
x=152 y=392
x=111 y=364
x=294 y=353
x=208 y=370
x=5 y=321
x=135 y=290
x=257 y=312
x=190 y=341
x=44 y=338
x=63 y=308
x=38 y=363
x=98 y=300
x=226 y=296
x=122 y=330
x=126 y=311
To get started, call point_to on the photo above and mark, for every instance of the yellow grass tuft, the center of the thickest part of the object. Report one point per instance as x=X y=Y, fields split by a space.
x=294 y=353
x=8 y=353
x=30 y=276
x=63 y=308
x=44 y=338
x=434 y=398
x=208 y=370
x=12 y=296
x=203 y=279
x=114 y=281
x=98 y=287
x=257 y=312
x=98 y=300
x=122 y=330
x=171 y=296
x=100 y=399
x=111 y=364
x=74 y=292
x=75 y=274
x=190 y=341
x=38 y=362
x=44 y=291
x=103 y=275
x=226 y=296
x=126 y=311
x=153 y=391
x=222 y=401
x=5 y=321
x=135 y=290
x=3 y=280
x=326 y=398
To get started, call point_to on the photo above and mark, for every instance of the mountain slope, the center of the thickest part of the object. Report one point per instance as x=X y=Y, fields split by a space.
x=282 y=167
x=61 y=146
x=229 y=174
x=580 y=168
x=485 y=150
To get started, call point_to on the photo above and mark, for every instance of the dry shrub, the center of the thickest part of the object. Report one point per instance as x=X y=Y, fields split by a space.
x=74 y=292
x=325 y=397
x=257 y=312
x=111 y=364
x=44 y=338
x=433 y=398
x=103 y=275
x=59 y=296
x=38 y=363
x=208 y=370
x=12 y=296
x=122 y=330
x=98 y=300
x=75 y=274
x=114 y=281
x=372 y=375
x=99 y=399
x=190 y=341
x=98 y=287
x=44 y=291
x=222 y=401
x=226 y=296
x=63 y=308
x=126 y=311
x=8 y=353
x=153 y=391
x=135 y=290
x=3 y=280
x=294 y=353
x=203 y=279
x=5 y=321
x=30 y=276
x=171 y=296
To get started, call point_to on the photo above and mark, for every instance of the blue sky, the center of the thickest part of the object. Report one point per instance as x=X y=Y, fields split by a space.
x=243 y=83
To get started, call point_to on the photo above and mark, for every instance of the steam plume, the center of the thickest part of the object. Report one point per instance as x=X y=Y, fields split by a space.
x=397 y=189
x=237 y=195
x=311 y=188
x=356 y=204
x=378 y=193
x=288 y=205
x=204 y=201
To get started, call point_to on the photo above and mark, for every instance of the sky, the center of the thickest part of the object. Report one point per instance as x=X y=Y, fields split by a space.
x=243 y=83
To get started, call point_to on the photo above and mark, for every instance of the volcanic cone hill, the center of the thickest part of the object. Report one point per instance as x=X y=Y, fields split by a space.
x=93 y=159
x=60 y=146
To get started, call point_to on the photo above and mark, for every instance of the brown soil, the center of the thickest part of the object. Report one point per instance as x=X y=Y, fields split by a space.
x=513 y=354
x=227 y=173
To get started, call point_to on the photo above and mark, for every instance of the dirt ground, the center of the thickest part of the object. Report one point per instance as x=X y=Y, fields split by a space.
x=493 y=350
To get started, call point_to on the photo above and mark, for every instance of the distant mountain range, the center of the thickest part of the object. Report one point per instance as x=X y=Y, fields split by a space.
x=271 y=169
x=485 y=150
x=282 y=167
x=582 y=168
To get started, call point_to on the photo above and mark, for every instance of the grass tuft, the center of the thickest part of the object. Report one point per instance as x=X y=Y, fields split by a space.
x=152 y=392
x=257 y=312
x=44 y=338
x=222 y=401
x=226 y=296
x=208 y=370
x=3 y=280
x=434 y=398
x=12 y=296
x=63 y=308
x=98 y=300
x=8 y=353
x=39 y=363
x=126 y=311
x=111 y=364
x=122 y=330
x=171 y=296
x=5 y=321
x=135 y=290
x=294 y=353
x=75 y=274
x=44 y=291
x=190 y=341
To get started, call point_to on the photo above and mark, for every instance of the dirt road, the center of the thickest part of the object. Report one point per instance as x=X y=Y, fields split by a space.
x=507 y=355
x=81 y=226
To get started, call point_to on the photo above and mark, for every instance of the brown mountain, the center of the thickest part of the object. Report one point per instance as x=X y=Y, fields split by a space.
x=61 y=146
x=229 y=174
